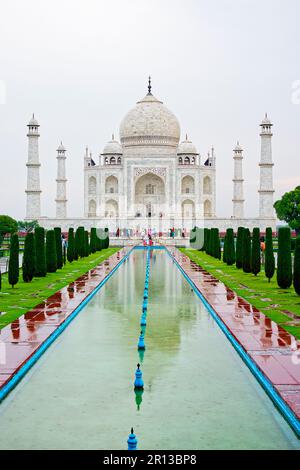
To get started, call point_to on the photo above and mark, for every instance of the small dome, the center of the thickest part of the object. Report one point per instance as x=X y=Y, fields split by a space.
x=33 y=121
x=187 y=147
x=150 y=123
x=113 y=147
x=266 y=121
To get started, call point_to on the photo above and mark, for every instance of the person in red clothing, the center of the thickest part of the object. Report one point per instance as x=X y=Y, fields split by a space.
x=262 y=249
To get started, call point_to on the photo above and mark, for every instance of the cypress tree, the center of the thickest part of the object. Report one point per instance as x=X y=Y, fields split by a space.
x=239 y=248
x=71 y=247
x=296 y=274
x=284 y=259
x=86 y=243
x=13 y=264
x=81 y=242
x=28 y=264
x=255 y=252
x=76 y=245
x=217 y=244
x=51 y=259
x=106 y=239
x=205 y=239
x=230 y=258
x=59 y=251
x=93 y=240
x=269 y=255
x=246 y=251
x=40 y=255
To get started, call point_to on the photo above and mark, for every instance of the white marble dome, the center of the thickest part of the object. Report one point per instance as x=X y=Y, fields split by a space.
x=186 y=147
x=150 y=123
x=112 y=148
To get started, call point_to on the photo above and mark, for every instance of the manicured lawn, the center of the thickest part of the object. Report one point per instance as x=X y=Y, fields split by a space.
x=24 y=296
x=266 y=296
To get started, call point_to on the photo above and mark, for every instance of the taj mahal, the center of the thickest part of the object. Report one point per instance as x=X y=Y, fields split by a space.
x=151 y=178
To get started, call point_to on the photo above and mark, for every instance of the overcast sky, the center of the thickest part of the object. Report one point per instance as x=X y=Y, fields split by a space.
x=219 y=65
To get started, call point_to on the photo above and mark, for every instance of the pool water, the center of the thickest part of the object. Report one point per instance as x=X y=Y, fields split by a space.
x=198 y=393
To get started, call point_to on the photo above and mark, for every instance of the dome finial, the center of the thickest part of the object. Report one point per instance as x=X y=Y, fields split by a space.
x=186 y=137
x=149 y=85
x=113 y=136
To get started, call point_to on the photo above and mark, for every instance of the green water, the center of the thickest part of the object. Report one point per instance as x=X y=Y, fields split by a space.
x=198 y=393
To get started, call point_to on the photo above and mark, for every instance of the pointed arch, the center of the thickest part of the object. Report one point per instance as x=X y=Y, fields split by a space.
x=111 y=209
x=188 y=209
x=111 y=185
x=92 y=208
x=187 y=185
x=207 y=208
x=92 y=185
x=207 y=189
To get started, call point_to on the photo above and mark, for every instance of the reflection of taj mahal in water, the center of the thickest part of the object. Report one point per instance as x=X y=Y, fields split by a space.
x=150 y=178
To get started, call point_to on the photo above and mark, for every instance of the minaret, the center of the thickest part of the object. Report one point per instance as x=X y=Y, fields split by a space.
x=33 y=192
x=266 y=190
x=61 y=193
x=238 y=193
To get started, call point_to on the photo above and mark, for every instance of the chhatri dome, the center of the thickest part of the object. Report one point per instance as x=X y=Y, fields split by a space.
x=150 y=123
x=112 y=147
x=186 y=147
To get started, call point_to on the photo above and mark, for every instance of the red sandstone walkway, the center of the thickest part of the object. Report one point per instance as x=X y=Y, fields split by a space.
x=20 y=339
x=272 y=348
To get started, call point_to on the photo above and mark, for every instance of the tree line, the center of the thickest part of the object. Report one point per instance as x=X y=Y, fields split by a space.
x=47 y=251
x=244 y=251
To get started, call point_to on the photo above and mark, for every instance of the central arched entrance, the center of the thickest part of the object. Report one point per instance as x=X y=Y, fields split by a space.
x=149 y=196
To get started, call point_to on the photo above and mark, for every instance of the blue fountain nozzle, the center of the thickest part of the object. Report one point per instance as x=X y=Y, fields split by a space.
x=132 y=441
x=138 y=382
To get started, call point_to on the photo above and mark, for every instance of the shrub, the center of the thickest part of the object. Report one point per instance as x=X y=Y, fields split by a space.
x=106 y=239
x=71 y=247
x=255 y=252
x=296 y=275
x=59 y=251
x=13 y=264
x=28 y=264
x=93 y=240
x=40 y=255
x=246 y=251
x=51 y=260
x=205 y=239
x=81 y=242
x=86 y=243
x=269 y=255
x=284 y=259
x=239 y=248
x=230 y=257
x=217 y=243
x=76 y=245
